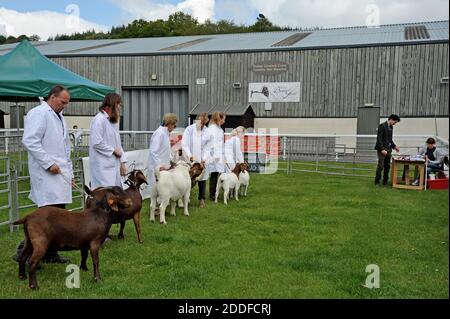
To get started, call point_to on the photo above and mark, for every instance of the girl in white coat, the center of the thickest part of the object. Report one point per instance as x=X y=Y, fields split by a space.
x=194 y=145
x=106 y=156
x=233 y=153
x=216 y=162
x=160 y=152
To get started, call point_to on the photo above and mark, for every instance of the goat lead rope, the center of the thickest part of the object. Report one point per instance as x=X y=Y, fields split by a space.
x=74 y=185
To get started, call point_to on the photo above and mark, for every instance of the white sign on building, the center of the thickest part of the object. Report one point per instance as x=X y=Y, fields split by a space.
x=274 y=92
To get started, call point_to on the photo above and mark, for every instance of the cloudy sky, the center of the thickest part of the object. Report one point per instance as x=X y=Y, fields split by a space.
x=49 y=17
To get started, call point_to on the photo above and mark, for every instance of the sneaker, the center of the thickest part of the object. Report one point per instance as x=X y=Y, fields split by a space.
x=202 y=203
x=415 y=183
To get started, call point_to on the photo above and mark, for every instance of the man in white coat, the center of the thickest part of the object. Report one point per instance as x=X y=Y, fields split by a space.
x=47 y=141
x=160 y=151
x=194 y=145
x=106 y=156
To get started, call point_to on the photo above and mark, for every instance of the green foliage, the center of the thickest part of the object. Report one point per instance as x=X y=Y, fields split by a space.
x=177 y=24
x=12 y=39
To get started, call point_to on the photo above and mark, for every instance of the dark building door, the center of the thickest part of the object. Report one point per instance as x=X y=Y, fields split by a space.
x=2 y=119
x=368 y=121
x=143 y=107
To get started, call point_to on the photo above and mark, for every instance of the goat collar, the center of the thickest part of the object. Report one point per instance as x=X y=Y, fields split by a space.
x=131 y=183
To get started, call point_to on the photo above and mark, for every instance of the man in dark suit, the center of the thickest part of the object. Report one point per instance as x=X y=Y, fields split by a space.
x=384 y=147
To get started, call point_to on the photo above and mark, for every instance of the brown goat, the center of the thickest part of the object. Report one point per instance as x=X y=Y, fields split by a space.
x=58 y=229
x=195 y=171
x=135 y=179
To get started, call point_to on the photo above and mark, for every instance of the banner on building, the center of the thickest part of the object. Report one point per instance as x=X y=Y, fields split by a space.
x=274 y=92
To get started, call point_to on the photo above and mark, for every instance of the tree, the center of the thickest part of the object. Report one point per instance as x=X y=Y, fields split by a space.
x=263 y=24
x=181 y=23
x=34 y=37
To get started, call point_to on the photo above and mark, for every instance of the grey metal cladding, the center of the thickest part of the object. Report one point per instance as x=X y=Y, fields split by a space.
x=259 y=41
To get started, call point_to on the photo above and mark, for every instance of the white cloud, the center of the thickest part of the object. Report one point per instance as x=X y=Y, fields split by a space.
x=152 y=10
x=241 y=12
x=44 y=23
x=332 y=13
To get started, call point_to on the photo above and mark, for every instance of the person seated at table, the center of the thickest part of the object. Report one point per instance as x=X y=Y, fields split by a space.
x=434 y=158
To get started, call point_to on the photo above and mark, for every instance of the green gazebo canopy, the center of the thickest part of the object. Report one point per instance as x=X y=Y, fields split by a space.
x=26 y=75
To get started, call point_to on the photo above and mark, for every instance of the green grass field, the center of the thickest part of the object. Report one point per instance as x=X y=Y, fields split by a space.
x=302 y=235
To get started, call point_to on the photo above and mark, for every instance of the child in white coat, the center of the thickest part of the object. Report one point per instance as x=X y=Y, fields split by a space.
x=216 y=162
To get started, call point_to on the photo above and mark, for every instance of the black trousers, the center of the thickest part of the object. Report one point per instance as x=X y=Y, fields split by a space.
x=201 y=190
x=384 y=166
x=213 y=184
x=49 y=255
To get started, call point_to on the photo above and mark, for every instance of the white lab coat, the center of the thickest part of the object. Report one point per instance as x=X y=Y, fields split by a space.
x=194 y=143
x=47 y=141
x=216 y=160
x=160 y=152
x=104 y=165
x=233 y=153
x=78 y=136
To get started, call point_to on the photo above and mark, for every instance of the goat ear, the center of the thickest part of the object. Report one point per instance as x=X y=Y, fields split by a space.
x=87 y=190
x=143 y=178
x=112 y=202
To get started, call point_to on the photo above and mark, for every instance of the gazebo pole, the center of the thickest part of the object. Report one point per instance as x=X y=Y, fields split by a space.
x=17 y=117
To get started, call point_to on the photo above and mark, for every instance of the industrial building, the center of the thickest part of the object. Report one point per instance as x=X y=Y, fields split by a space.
x=299 y=82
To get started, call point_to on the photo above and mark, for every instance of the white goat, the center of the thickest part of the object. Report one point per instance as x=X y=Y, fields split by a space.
x=244 y=181
x=171 y=186
x=229 y=181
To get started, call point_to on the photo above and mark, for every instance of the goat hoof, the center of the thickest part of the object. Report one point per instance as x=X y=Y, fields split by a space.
x=84 y=268
x=186 y=214
x=140 y=241
x=98 y=279
x=163 y=223
x=152 y=220
x=121 y=237
x=22 y=277
x=34 y=287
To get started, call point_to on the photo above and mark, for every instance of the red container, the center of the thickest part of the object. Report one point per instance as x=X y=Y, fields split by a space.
x=437 y=183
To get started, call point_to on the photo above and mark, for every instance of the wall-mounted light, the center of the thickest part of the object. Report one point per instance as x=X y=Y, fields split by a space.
x=444 y=80
x=237 y=85
x=153 y=77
